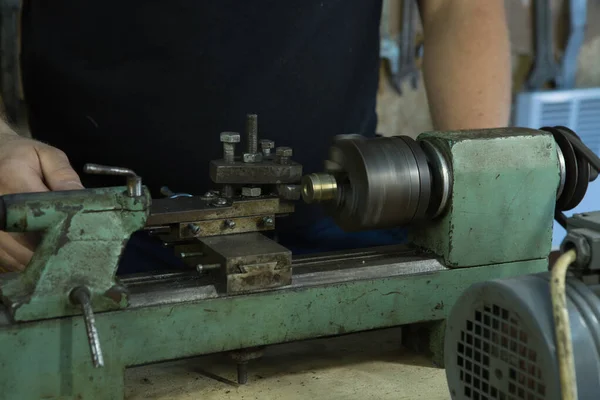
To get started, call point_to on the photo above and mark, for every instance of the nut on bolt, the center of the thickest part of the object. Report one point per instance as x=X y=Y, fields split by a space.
x=229 y=139
x=283 y=154
x=577 y=241
x=252 y=157
x=266 y=146
x=251 y=191
x=284 y=151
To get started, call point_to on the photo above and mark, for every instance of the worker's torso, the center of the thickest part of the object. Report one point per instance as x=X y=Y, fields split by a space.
x=149 y=84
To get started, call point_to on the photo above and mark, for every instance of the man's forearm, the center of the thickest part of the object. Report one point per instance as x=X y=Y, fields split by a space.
x=466 y=63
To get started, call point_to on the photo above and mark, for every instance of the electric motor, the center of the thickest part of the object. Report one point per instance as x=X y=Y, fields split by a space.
x=500 y=341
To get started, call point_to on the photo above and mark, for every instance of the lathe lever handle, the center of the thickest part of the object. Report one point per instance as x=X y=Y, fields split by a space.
x=107 y=170
x=81 y=296
x=134 y=182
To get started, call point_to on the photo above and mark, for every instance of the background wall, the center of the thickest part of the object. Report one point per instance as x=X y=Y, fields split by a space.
x=409 y=114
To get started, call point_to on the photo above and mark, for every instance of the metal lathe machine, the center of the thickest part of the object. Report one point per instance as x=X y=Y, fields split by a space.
x=479 y=205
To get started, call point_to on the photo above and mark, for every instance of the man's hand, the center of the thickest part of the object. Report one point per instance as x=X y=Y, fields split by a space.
x=27 y=165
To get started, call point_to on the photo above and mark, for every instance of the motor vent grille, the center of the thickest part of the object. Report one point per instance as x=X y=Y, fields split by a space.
x=495 y=358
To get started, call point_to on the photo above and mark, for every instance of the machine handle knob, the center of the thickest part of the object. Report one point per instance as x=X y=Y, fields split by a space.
x=134 y=182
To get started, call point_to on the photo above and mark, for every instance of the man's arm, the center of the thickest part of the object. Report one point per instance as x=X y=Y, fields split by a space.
x=466 y=63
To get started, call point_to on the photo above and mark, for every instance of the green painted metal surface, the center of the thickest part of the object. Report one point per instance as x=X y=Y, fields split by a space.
x=85 y=232
x=50 y=359
x=503 y=197
x=500 y=213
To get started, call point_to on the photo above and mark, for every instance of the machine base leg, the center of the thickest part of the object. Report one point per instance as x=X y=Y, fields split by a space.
x=426 y=338
x=241 y=357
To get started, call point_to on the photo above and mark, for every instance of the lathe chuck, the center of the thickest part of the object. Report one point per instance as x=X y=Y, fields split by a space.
x=377 y=183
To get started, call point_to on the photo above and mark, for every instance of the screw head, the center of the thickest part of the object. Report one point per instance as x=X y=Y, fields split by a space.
x=220 y=201
x=230 y=137
x=267 y=144
x=209 y=196
x=195 y=229
x=284 y=151
x=268 y=221
x=229 y=224
x=251 y=191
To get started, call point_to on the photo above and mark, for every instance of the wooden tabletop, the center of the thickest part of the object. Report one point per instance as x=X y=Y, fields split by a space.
x=363 y=366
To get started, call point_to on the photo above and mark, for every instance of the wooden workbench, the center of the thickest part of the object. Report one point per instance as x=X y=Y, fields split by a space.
x=364 y=366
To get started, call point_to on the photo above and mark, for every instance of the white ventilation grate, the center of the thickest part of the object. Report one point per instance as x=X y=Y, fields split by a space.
x=588 y=122
x=553 y=114
x=578 y=109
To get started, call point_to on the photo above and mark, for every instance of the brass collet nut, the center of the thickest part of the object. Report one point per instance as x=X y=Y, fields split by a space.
x=318 y=188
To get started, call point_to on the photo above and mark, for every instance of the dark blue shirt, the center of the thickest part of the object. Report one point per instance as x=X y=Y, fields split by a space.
x=148 y=84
